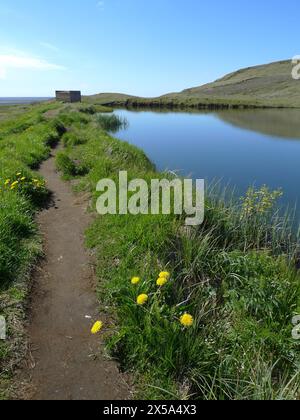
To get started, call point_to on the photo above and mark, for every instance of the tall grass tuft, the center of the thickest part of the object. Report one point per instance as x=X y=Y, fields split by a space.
x=111 y=123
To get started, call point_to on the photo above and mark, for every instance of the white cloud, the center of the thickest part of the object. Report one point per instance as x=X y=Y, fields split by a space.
x=25 y=62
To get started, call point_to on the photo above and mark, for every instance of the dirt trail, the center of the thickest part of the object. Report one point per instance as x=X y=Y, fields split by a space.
x=68 y=362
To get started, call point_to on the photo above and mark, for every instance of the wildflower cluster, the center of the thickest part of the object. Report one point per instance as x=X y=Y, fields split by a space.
x=259 y=202
x=20 y=181
x=34 y=188
x=186 y=320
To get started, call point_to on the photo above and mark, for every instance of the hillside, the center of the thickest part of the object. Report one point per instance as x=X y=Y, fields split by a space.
x=269 y=85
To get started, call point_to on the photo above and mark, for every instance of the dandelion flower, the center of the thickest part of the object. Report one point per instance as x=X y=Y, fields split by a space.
x=97 y=327
x=162 y=281
x=7 y=182
x=135 y=280
x=165 y=275
x=187 y=320
x=14 y=185
x=19 y=173
x=142 y=299
x=23 y=178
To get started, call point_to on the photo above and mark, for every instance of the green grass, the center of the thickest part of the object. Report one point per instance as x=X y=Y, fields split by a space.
x=93 y=109
x=235 y=274
x=111 y=122
x=25 y=142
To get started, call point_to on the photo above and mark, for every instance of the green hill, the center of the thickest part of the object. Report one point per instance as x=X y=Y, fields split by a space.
x=269 y=85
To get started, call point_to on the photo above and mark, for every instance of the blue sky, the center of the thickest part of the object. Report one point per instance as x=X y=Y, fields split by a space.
x=137 y=46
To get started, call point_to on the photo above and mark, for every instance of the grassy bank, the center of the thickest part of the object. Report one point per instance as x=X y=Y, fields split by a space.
x=27 y=134
x=235 y=275
x=25 y=140
x=180 y=102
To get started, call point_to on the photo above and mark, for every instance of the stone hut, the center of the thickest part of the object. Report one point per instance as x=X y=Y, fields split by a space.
x=68 y=96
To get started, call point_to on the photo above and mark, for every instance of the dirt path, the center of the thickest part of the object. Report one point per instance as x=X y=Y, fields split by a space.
x=68 y=362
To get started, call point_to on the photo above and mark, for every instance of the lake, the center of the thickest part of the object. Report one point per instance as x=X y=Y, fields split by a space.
x=241 y=148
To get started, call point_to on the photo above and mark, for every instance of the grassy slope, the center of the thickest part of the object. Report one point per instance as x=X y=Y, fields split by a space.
x=235 y=274
x=268 y=85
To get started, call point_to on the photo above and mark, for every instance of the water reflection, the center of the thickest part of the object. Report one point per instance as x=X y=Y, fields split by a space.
x=283 y=123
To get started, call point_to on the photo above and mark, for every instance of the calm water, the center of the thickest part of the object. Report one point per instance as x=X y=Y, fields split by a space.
x=241 y=148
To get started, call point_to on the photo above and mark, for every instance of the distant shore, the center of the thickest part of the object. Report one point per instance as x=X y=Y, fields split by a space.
x=22 y=101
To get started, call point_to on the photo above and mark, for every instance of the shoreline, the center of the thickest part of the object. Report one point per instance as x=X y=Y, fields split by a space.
x=186 y=107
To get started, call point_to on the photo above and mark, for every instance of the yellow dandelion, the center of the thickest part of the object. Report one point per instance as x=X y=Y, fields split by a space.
x=23 y=178
x=142 y=299
x=161 y=281
x=135 y=280
x=14 y=185
x=187 y=320
x=7 y=182
x=19 y=173
x=165 y=275
x=97 y=327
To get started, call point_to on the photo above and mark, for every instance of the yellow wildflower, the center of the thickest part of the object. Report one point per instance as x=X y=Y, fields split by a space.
x=162 y=281
x=23 y=178
x=14 y=185
x=97 y=327
x=135 y=280
x=142 y=299
x=187 y=320
x=7 y=182
x=19 y=173
x=165 y=275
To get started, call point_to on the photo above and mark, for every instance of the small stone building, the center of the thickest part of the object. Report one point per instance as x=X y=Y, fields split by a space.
x=68 y=96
